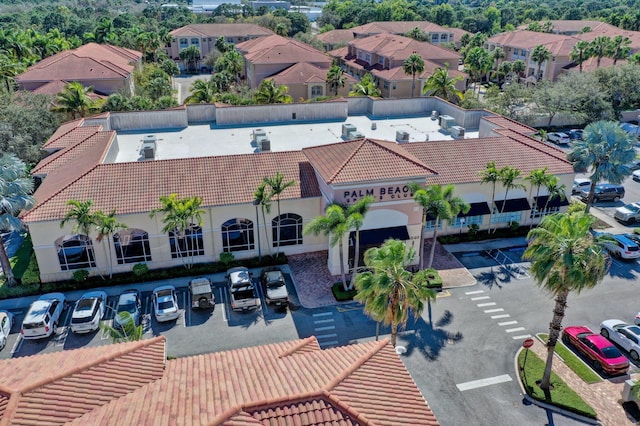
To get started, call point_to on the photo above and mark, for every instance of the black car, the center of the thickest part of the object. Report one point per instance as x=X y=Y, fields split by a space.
x=605 y=192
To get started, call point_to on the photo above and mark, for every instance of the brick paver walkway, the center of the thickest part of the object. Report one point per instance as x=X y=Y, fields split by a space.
x=605 y=396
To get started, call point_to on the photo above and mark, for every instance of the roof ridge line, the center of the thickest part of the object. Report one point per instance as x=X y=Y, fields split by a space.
x=356 y=365
x=352 y=412
x=406 y=156
x=99 y=360
x=532 y=145
x=80 y=122
x=53 y=157
x=344 y=163
x=301 y=343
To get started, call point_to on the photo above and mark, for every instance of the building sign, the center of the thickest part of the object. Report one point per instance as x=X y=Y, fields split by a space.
x=380 y=193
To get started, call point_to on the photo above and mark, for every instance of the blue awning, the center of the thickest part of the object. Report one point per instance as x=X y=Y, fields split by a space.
x=379 y=236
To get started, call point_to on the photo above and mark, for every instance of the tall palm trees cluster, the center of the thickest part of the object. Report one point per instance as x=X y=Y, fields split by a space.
x=271 y=187
x=616 y=48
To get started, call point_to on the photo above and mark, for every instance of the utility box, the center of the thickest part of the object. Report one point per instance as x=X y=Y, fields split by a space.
x=263 y=144
x=257 y=133
x=447 y=122
x=434 y=115
x=348 y=128
x=457 y=131
x=402 y=136
x=149 y=147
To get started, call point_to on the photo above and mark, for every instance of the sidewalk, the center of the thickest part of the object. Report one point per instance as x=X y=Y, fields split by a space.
x=603 y=396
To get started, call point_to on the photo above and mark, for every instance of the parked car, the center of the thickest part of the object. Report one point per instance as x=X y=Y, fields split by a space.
x=634 y=165
x=275 y=288
x=625 y=335
x=559 y=138
x=575 y=133
x=602 y=354
x=629 y=213
x=88 y=312
x=241 y=289
x=636 y=175
x=604 y=192
x=43 y=316
x=165 y=303
x=201 y=293
x=129 y=301
x=622 y=247
x=580 y=184
x=6 y=322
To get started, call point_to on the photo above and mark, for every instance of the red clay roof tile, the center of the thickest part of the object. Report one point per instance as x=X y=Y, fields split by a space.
x=221 y=30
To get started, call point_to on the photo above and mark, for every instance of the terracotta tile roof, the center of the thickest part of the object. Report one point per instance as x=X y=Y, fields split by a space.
x=64 y=129
x=527 y=39
x=221 y=30
x=507 y=123
x=611 y=31
x=89 y=62
x=398 y=74
x=458 y=33
x=364 y=160
x=220 y=180
x=454 y=164
x=94 y=144
x=83 y=380
x=336 y=36
x=397 y=27
x=302 y=388
x=400 y=48
x=565 y=26
x=591 y=64
x=51 y=88
x=304 y=72
x=340 y=52
x=275 y=49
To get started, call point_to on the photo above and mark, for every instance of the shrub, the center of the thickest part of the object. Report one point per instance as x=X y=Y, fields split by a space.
x=226 y=259
x=140 y=269
x=434 y=280
x=80 y=275
x=576 y=206
x=31 y=275
x=514 y=225
x=341 y=296
x=473 y=229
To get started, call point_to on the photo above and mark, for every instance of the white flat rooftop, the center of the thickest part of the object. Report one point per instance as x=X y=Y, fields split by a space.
x=209 y=140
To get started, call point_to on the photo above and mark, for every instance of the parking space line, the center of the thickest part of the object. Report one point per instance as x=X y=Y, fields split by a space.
x=17 y=345
x=483 y=305
x=502 y=324
x=474 y=292
x=490 y=311
x=473 y=299
x=225 y=313
x=522 y=336
x=59 y=341
x=186 y=311
x=511 y=330
x=474 y=384
x=500 y=316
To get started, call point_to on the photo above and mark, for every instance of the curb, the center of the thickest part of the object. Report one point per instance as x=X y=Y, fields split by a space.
x=555 y=409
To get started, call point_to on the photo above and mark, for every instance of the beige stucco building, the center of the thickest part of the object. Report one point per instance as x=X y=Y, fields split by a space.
x=336 y=151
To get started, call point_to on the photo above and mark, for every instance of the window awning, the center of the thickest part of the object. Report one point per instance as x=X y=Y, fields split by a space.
x=379 y=236
x=554 y=202
x=477 y=209
x=513 y=205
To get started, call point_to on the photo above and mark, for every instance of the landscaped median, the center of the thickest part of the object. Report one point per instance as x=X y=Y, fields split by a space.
x=573 y=361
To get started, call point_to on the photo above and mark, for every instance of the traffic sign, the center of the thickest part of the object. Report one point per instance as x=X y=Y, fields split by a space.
x=527 y=343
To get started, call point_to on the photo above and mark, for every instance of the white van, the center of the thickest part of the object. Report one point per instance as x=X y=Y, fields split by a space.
x=42 y=318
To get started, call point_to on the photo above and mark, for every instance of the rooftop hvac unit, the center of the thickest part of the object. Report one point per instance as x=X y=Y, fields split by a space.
x=258 y=133
x=263 y=143
x=457 y=131
x=434 y=115
x=446 y=122
x=348 y=128
x=402 y=136
x=149 y=147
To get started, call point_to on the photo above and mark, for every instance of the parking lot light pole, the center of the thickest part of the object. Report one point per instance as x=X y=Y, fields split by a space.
x=256 y=203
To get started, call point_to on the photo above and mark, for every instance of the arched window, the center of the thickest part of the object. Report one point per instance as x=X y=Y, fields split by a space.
x=188 y=244
x=75 y=252
x=290 y=230
x=237 y=235
x=132 y=246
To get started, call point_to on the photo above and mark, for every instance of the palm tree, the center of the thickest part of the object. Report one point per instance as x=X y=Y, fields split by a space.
x=202 y=92
x=417 y=34
x=180 y=215
x=191 y=56
x=128 y=332
x=599 y=47
x=277 y=186
x=8 y=70
x=477 y=61
x=16 y=187
x=107 y=225
x=232 y=63
x=508 y=177
x=581 y=52
x=441 y=85
x=490 y=175
x=439 y=203
x=355 y=219
x=504 y=70
x=604 y=150
x=365 y=87
x=333 y=224
x=262 y=197
x=269 y=93
x=497 y=55
x=74 y=99
x=539 y=55
x=80 y=213
x=619 y=48
x=335 y=78
x=518 y=67
x=537 y=178
x=565 y=258
x=413 y=65
x=389 y=292
x=554 y=190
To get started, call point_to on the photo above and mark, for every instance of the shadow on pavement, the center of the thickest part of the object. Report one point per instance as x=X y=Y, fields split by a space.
x=428 y=339
x=496 y=276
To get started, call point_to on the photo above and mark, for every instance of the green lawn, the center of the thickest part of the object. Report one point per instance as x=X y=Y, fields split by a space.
x=561 y=395
x=574 y=362
x=20 y=261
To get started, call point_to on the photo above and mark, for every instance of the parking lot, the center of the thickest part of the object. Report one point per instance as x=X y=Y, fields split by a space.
x=195 y=331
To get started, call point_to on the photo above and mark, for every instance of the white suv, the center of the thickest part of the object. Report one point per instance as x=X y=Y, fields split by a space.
x=43 y=316
x=622 y=247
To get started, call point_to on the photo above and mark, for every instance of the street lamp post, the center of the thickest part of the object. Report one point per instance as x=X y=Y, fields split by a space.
x=256 y=203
